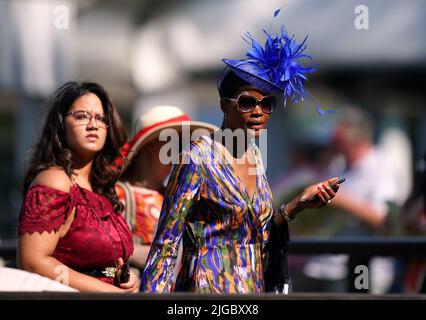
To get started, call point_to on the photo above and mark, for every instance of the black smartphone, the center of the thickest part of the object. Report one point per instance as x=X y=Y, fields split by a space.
x=333 y=185
x=125 y=274
x=122 y=275
x=341 y=180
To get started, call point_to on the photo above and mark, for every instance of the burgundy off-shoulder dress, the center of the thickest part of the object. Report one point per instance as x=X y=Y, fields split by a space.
x=97 y=236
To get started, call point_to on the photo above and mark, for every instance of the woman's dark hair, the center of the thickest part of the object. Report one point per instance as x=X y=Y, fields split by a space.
x=52 y=148
x=230 y=85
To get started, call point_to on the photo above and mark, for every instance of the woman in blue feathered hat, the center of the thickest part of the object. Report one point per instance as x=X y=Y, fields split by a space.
x=218 y=200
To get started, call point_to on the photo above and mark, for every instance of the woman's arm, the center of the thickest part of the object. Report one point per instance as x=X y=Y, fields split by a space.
x=139 y=256
x=35 y=249
x=303 y=200
x=35 y=254
x=182 y=189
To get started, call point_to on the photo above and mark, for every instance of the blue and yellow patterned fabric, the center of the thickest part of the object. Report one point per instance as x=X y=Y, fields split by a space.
x=223 y=231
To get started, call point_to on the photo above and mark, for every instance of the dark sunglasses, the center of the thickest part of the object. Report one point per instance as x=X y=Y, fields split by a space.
x=246 y=103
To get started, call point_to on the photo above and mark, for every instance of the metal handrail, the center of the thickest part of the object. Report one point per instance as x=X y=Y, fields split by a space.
x=366 y=247
x=358 y=246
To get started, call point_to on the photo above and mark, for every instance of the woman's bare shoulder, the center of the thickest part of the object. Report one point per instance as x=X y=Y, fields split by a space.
x=55 y=178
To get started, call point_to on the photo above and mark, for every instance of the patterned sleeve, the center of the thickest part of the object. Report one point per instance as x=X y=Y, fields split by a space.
x=182 y=192
x=44 y=209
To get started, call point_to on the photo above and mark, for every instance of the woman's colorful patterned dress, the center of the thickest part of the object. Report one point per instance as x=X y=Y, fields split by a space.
x=142 y=210
x=224 y=232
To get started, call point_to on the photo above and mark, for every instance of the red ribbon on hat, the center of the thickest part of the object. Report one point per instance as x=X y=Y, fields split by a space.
x=141 y=132
x=126 y=148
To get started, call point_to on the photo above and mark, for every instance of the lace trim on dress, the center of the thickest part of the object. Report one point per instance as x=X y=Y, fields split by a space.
x=45 y=209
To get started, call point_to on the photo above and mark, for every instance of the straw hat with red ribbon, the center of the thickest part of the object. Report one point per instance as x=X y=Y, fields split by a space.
x=149 y=127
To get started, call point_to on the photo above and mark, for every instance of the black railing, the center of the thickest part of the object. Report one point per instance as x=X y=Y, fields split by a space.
x=8 y=251
x=363 y=247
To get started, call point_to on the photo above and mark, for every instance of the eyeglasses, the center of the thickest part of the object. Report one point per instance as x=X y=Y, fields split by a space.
x=246 y=103
x=84 y=118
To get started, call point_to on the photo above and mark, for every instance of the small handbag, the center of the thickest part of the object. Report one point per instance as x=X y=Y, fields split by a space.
x=277 y=274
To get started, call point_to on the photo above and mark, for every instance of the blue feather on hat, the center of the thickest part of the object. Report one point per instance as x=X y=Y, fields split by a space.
x=276 y=67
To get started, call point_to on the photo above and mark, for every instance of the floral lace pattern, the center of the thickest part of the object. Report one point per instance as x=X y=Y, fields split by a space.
x=97 y=236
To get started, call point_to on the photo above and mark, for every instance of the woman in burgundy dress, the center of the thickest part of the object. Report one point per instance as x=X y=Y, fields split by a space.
x=70 y=227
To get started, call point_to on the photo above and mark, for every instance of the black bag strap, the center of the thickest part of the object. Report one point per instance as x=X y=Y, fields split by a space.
x=277 y=274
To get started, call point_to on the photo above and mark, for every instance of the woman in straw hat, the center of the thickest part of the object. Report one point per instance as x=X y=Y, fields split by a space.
x=141 y=186
x=218 y=199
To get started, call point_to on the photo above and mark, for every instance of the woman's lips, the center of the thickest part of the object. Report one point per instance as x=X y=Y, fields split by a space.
x=92 y=137
x=255 y=125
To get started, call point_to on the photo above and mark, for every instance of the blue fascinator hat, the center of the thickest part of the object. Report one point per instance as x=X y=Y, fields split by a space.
x=275 y=67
